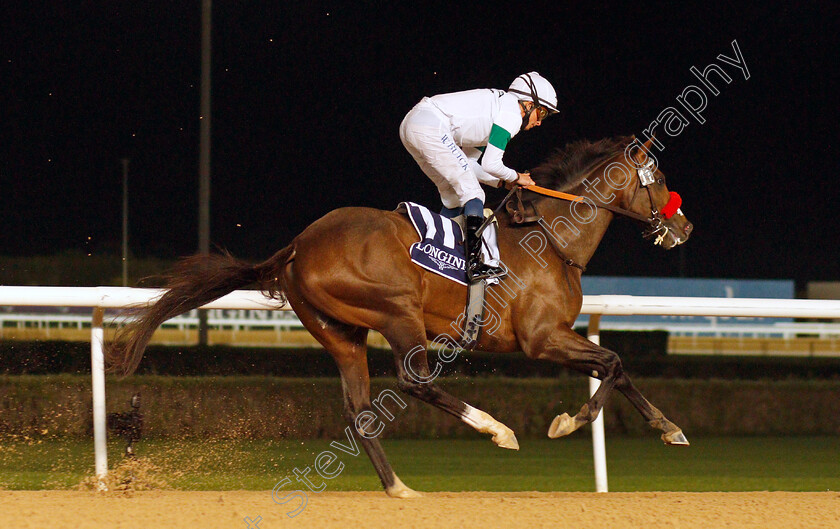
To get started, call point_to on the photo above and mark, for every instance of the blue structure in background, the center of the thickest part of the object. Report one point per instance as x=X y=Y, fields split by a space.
x=684 y=287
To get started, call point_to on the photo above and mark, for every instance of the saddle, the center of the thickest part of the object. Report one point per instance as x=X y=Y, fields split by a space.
x=448 y=259
x=441 y=251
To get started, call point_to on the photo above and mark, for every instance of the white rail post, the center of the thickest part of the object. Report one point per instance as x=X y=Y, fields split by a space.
x=599 y=450
x=97 y=368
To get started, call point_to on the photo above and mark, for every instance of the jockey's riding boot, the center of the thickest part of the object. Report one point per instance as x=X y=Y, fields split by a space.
x=475 y=268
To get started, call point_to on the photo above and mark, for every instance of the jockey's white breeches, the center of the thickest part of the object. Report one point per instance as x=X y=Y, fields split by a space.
x=425 y=133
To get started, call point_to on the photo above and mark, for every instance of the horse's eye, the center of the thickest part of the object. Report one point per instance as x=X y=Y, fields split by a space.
x=660 y=181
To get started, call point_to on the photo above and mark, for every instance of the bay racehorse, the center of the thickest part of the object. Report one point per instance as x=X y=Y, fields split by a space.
x=350 y=272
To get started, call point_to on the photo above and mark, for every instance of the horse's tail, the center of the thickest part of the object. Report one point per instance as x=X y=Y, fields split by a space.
x=193 y=282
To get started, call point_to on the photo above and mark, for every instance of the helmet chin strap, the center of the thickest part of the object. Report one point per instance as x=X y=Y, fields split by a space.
x=527 y=116
x=534 y=98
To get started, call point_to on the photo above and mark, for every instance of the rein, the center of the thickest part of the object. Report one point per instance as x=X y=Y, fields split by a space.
x=575 y=198
x=656 y=225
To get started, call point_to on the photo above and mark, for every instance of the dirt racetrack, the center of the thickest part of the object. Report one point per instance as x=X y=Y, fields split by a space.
x=463 y=510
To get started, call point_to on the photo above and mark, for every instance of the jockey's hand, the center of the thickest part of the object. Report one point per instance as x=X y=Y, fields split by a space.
x=524 y=180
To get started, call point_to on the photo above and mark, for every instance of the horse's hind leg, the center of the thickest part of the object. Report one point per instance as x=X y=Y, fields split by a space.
x=408 y=341
x=348 y=346
x=355 y=383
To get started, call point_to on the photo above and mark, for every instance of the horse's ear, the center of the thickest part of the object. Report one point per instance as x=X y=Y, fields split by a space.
x=643 y=153
x=639 y=154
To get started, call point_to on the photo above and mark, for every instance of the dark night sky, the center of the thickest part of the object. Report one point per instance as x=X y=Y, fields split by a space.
x=307 y=101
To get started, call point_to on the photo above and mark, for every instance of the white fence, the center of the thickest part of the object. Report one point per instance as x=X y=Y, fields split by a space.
x=244 y=320
x=17 y=317
x=239 y=319
x=101 y=298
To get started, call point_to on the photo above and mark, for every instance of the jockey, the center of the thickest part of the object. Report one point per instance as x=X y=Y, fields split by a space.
x=459 y=139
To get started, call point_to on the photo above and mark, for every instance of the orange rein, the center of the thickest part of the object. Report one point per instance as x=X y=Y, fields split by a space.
x=553 y=193
x=576 y=198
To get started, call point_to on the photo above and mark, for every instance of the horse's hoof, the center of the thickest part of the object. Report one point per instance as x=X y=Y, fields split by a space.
x=399 y=490
x=676 y=438
x=403 y=493
x=506 y=439
x=561 y=425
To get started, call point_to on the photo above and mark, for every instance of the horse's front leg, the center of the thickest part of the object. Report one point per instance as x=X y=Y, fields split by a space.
x=568 y=348
x=671 y=433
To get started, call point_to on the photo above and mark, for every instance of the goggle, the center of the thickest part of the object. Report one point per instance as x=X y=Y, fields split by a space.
x=542 y=112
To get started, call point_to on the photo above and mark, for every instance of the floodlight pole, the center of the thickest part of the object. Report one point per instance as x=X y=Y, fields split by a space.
x=204 y=153
x=125 y=222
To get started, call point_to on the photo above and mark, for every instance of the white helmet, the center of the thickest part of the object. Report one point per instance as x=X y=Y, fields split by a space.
x=534 y=87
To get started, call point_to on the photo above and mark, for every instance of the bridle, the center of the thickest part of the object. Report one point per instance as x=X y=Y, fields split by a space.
x=656 y=226
x=655 y=222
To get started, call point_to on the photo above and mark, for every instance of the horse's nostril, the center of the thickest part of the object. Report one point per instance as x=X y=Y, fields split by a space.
x=688 y=227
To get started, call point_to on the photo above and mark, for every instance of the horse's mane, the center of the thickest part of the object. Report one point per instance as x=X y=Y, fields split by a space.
x=568 y=166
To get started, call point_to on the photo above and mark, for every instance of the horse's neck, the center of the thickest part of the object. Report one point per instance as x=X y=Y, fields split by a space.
x=577 y=229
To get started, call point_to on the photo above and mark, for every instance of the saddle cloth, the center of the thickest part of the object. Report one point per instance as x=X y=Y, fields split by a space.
x=441 y=246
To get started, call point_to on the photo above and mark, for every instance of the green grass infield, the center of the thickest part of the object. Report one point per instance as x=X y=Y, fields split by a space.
x=634 y=464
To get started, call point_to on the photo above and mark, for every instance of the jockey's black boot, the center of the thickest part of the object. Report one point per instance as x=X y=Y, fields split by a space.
x=475 y=268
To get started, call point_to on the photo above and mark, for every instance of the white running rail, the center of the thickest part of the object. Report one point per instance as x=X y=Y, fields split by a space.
x=101 y=298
